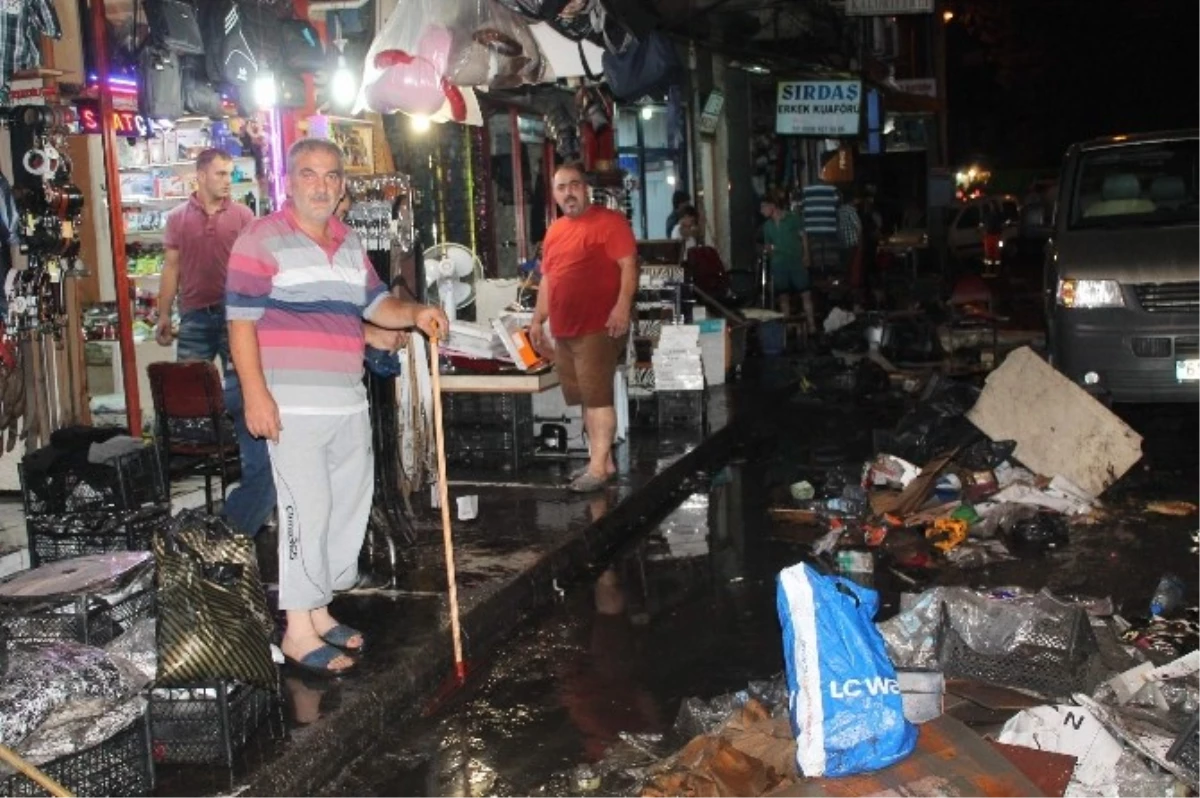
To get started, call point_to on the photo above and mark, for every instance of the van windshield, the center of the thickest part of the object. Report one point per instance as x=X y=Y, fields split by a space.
x=1137 y=184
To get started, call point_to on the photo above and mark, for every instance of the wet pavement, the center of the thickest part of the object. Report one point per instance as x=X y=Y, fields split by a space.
x=585 y=617
x=530 y=540
x=688 y=609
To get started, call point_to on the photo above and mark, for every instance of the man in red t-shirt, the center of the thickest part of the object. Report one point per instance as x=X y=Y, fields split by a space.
x=589 y=278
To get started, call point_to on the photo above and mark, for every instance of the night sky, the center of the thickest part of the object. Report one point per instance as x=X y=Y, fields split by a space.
x=1025 y=78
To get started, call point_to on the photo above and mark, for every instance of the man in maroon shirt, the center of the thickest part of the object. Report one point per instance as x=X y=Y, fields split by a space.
x=590 y=276
x=198 y=239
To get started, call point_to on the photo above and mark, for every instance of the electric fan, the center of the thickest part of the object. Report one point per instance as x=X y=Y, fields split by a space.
x=450 y=274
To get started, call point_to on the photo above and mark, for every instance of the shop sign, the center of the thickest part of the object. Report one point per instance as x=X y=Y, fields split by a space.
x=818 y=107
x=31 y=91
x=124 y=123
x=925 y=87
x=887 y=8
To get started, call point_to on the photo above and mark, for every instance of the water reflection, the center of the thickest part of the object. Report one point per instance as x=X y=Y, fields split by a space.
x=308 y=699
x=600 y=687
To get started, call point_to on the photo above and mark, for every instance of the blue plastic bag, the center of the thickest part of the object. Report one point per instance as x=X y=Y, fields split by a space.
x=843 y=697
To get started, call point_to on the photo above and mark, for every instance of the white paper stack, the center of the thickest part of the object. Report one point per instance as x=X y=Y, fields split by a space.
x=676 y=359
x=474 y=340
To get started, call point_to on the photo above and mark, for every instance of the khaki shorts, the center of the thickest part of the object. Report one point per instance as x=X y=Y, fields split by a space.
x=586 y=366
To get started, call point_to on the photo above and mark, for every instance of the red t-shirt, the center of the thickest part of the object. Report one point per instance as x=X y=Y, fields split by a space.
x=579 y=263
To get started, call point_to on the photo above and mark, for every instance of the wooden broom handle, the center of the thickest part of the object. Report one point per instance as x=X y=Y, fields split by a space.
x=11 y=758
x=444 y=496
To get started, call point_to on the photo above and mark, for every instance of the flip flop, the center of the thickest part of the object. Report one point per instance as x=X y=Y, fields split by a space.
x=316 y=662
x=587 y=483
x=340 y=636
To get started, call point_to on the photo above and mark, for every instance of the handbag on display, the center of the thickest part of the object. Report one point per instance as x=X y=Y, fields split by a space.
x=160 y=84
x=649 y=66
x=302 y=48
x=200 y=96
x=174 y=26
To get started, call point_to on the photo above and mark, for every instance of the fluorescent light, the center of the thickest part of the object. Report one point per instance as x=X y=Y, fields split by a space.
x=647 y=112
x=419 y=123
x=670 y=180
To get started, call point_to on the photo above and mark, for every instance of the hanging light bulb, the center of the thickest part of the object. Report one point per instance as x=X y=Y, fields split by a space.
x=647 y=112
x=419 y=123
x=343 y=87
x=266 y=93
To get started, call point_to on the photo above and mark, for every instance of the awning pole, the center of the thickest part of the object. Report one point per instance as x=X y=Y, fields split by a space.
x=116 y=222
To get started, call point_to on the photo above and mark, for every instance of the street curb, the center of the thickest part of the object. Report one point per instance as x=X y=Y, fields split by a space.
x=314 y=757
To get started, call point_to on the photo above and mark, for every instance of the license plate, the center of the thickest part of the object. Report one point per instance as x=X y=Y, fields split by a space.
x=1187 y=370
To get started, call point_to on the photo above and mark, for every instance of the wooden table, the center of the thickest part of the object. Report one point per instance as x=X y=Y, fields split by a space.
x=500 y=383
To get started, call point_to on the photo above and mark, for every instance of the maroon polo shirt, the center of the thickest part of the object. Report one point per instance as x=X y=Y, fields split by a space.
x=204 y=242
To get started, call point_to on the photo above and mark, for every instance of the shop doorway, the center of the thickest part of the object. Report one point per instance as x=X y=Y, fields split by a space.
x=519 y=186
x=654 y=168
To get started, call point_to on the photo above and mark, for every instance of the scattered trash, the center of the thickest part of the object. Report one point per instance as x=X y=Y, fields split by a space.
x=1167 y=596
x=947 y=488
x=843 y=695
x=1058 y=427
x=1037 y=534
x=923 y=694
x=1177 y=508
x=889 y=471
x=1071 y=730
x=837 y=319
x=802 y=491
x=468 y=508
x=585 y=778
x=947 y=533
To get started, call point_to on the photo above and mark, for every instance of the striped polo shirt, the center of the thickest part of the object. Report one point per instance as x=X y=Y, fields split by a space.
x=308 y=302
x=820 y=209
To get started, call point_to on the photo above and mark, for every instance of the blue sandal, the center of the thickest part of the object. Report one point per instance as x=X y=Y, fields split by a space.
x=317 y=662
x=341 y=635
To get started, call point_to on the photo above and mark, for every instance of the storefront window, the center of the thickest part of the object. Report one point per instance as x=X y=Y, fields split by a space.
x=654 y=169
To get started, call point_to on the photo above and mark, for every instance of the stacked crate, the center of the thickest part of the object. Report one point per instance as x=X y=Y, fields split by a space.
x=488 y=430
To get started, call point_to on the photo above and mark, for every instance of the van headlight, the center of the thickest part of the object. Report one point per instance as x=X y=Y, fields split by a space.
x=1090 y=294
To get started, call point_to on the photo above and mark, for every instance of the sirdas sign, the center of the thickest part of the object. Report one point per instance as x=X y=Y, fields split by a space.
x=818 y=107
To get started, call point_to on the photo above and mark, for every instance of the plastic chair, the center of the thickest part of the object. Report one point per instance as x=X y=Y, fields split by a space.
x=190 y=420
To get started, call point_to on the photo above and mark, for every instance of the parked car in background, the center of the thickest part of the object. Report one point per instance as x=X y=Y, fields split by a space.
x=965 y=224
x=1121 y=273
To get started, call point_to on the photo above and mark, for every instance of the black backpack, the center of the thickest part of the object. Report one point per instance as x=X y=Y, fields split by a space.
x=160 y=91
x=174 y=26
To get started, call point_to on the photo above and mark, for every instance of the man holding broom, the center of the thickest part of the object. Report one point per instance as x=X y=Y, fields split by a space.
x=299 y=286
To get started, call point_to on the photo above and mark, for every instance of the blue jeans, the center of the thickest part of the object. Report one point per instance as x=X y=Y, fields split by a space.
x=204 y=336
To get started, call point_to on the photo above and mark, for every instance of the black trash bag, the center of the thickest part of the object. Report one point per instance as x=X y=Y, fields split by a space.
x=937 y=425
x=985 y=454
x=1036 y=534
x=213 y=621
x=850 y=338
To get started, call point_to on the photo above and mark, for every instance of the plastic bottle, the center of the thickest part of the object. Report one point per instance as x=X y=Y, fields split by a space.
x=1167 y=596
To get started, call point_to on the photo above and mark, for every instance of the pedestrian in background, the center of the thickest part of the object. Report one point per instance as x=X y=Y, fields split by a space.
x=679 y=200
x=783 y=239
x=850 y=238
x=590 y=276
x=198 y=239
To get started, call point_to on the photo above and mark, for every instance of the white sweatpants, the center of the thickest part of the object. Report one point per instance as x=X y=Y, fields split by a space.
x=324 y=477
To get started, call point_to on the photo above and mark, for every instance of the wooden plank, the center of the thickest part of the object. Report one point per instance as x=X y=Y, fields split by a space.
x=1059 y=428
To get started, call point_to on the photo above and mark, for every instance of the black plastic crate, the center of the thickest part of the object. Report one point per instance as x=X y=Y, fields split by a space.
x=133 y=480
x=487 y=409
x=680 y=409
x=120 y=765
x=490 y=447
x=62 y=536
x=643 y=411
x=86 y=618
x=209 y=723
x=1058 y=657
x=1186 y=750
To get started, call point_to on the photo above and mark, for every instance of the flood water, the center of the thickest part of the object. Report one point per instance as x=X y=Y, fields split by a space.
x=685 y=611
